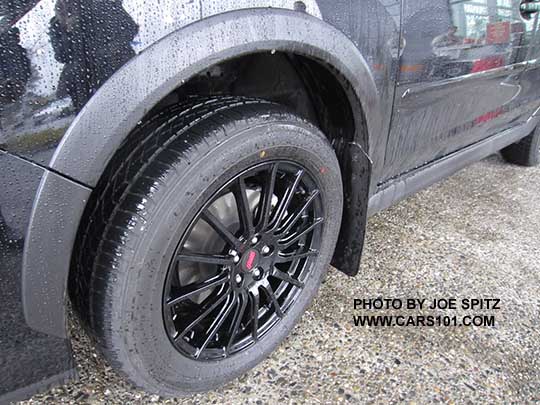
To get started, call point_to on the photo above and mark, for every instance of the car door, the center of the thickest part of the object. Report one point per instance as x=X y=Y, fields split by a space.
x=459 y=80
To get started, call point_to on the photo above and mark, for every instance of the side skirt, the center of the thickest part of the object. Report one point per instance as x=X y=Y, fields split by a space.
x=399 y=188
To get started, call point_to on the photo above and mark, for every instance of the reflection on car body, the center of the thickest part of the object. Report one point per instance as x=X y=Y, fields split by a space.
x=404 y=92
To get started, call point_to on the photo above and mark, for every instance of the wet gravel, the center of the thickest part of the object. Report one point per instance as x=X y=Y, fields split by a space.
x=473 y=235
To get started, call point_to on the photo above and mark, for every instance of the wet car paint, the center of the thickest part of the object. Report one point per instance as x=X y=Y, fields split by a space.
x=65 y=51
x=62 y=53
x=60 y=59
x=455 y=89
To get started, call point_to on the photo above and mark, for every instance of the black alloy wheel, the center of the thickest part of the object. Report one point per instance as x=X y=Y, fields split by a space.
x=205 y=241
x=243 y=261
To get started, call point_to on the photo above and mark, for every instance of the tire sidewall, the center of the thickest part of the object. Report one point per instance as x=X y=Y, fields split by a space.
x=141 y=333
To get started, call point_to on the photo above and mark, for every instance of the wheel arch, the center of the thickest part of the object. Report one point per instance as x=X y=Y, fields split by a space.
x=91 y=140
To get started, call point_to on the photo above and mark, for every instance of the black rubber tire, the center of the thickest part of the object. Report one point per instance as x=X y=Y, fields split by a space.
x=525 y=152
x=166 y=170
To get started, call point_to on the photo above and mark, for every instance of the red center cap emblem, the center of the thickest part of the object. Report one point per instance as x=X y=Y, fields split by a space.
x=251 y=259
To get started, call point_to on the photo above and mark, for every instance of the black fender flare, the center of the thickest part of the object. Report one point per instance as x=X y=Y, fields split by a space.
x=117 y=107
x=91 y=140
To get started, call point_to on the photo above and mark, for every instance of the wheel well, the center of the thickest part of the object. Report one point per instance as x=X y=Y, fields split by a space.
x=308 y=87
x=319 y=93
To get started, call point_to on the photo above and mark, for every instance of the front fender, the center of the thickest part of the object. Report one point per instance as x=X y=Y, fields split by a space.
x=91 y=140
x=117 y=107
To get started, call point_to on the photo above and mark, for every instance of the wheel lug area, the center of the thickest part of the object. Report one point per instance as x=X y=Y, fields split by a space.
x=255 y=240
x=239 y=279
x=258 y=273
x=266 y=250
x=235 y=256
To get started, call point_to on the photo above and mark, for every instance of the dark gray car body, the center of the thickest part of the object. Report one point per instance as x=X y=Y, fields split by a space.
x=423 y=105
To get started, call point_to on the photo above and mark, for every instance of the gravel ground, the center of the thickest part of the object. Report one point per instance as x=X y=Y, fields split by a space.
x=473 y=235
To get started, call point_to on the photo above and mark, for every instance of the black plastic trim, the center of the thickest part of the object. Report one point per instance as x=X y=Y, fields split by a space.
x=423 y=177
x=58 y=208
x=356 y=170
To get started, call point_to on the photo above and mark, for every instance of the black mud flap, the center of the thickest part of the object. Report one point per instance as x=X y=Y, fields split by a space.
x=356 y=181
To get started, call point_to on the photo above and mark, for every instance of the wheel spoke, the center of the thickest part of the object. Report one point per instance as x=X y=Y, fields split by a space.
x=295 y=256
x=287 y=278
x=194 y=289
x=202 y=316
x=287 y=198
x=216 y=324
x=270 y=294
x=268 y=194
x=221 y=229
x=204 y=258
x=238 y=315
x=218 y=311
x=244 y=211
x=285 y=243
x=293 y=219
x=255 y=316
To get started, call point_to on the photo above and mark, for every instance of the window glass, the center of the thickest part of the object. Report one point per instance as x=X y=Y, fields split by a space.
x=485 y=34
x=488 y=22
